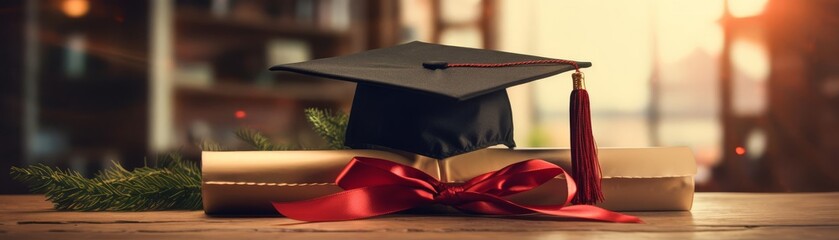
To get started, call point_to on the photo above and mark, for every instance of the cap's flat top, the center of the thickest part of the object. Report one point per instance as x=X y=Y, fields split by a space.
x=401 y=66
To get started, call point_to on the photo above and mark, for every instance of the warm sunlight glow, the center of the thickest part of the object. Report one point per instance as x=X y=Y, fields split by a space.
x=624 y=39
x=751 y=59
x=686 y=27
x=75 y=8
x=746 y=8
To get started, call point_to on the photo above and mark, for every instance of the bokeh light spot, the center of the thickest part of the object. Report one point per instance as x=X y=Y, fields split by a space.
x=740 y=151
x=751 y=59
x=75 y=8
x=241 y=114
x=756 y=142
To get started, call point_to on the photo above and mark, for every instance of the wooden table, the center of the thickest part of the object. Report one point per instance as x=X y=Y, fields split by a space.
x=714 y=216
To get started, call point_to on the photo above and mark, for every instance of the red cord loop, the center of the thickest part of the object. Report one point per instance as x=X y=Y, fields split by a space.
x=508 y=64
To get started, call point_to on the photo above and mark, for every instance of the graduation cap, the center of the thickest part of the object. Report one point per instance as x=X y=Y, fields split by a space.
x=440 y=101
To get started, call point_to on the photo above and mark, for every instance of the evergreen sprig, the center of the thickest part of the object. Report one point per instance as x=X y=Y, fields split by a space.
x=207 y=145
x=172 y=183
x=258 y=141
x=331 y=126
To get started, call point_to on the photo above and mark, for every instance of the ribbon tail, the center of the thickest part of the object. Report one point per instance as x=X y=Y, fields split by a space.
x=585 y=212
x=491 y=204
x=354 y=204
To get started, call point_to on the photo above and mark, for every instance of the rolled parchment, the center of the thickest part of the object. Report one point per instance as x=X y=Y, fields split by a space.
x=634 y=179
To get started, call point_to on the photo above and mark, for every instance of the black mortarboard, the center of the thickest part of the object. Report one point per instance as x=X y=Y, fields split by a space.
x=430 y=99
x=401 y=104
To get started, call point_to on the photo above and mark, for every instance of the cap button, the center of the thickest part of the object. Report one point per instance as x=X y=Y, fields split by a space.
x=434 y=65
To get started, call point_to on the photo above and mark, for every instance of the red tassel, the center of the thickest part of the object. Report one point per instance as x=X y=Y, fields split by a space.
x=585 y=166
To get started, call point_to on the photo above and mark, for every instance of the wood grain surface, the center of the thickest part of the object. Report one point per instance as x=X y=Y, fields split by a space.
x=714 y=216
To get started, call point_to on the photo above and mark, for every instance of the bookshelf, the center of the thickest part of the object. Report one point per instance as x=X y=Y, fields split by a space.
x=221 y=52
x=122 y=80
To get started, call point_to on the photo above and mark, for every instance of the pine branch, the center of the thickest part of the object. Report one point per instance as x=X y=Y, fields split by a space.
x=258 y=141
x=329 y=126
x=170 y=183
x=207 y=145
x=173 y=183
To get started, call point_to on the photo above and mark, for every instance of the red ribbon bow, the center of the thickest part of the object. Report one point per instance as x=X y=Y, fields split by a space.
x=374 y=187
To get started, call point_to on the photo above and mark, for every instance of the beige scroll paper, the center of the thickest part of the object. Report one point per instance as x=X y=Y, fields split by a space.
x=634 y=179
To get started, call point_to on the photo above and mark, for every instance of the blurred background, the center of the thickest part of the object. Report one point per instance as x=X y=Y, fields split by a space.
x=752 y=86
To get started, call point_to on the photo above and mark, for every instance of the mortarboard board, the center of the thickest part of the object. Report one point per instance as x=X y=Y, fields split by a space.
x=440 y=101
